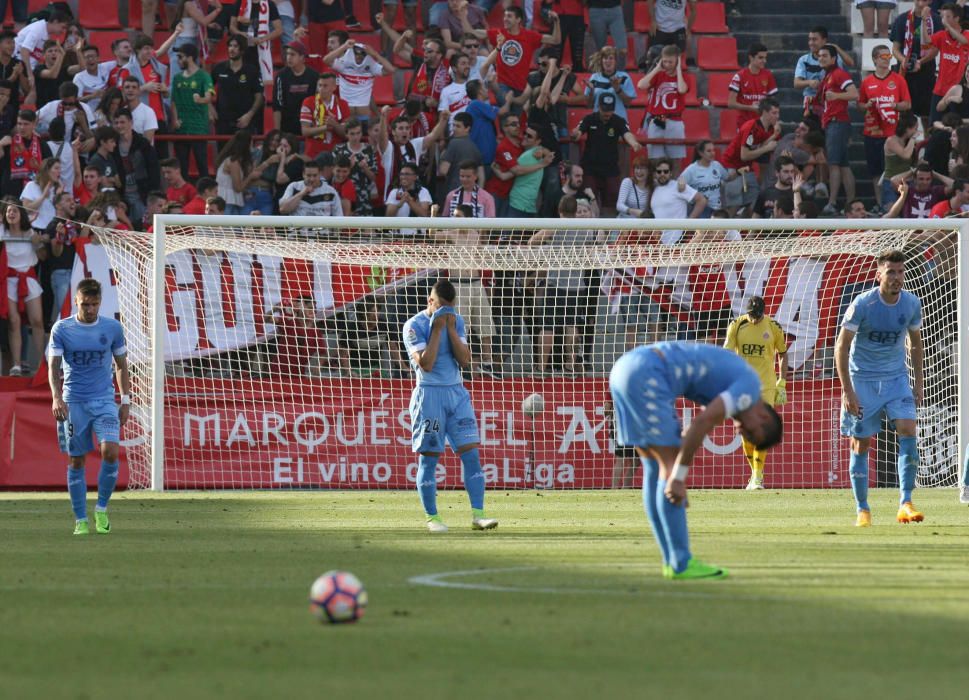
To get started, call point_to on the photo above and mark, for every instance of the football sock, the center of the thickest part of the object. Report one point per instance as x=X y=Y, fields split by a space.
x=674 y=525
x=650 y=484
x=858 y=468
x=107 y=478
x=749 y=453
x=760 y=456
x=77 y=488
x=908 y=464
x=474 y=479
x=427 y=483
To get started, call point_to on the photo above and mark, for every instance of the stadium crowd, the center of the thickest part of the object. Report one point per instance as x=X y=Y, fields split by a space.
x=290 y=122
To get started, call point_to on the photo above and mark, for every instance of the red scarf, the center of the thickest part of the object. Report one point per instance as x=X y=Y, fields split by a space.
x=24 y=162
x=23 y=288
x=431 y=88
x=908 y=44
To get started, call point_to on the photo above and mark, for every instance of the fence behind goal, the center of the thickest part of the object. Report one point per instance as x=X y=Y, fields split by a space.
x=267 y=352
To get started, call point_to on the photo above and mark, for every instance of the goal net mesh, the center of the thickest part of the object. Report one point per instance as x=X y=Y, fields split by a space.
x=285 y=364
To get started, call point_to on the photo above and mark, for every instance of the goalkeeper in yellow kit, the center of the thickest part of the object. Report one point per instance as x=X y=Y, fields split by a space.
x=759 y=340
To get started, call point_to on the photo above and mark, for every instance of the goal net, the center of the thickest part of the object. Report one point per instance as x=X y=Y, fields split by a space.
x=268 y=352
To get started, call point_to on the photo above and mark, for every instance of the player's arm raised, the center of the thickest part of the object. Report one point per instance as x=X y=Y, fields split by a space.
x=708 y=419
x=124 y=383
x=460 y=349
x=917 y=352
x=841 y=349
x=426 y=358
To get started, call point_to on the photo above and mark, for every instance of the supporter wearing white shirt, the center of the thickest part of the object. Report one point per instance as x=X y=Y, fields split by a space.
x=454 y=97
x=670 y=202
x=357 y=65
x=410 y=199
x=66 y=107
x=29 y=44
x=39 y=194
x=705 y=174
x=310 y=196
x=92 y=81
x=143 y=117
x=398 y=136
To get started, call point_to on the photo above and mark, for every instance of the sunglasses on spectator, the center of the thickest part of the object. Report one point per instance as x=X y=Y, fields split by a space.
x=472 y=46
x=664 y=171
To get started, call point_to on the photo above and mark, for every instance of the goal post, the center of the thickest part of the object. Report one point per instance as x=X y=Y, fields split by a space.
x=268 y=352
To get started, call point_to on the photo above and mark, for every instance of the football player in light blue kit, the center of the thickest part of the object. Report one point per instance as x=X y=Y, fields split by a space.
x=81 y=353
x=645 y=384
x=870 y=357
x=440 y=407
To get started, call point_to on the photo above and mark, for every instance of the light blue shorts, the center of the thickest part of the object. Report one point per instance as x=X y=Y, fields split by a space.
x=644 y=403
x=891 y=397
x=439 y=412
x=75 y=434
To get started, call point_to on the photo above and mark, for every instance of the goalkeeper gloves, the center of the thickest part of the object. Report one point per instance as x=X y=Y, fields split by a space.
x=780 y=398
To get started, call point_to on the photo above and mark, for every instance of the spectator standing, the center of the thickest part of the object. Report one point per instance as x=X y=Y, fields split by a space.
x=911 y=38
x=69 y=107
x=458 y=19
x=39 y=194
x=454 y=97
x=669 y=24
x=752 y=84
x=502 y=177
x=635 y=191
x=93 y=80
x=357 y=65
x=951 y=45
x=608 y=79
x=671 y=200
x=50 y=74
x=869 y=9
x=117 y=71
x=808 y=72
x=234 y=170
x=600 y=157
x=139 y=159
x=192 y=93
x=61 y=233
x=666 y=87
x=31 y=39
x=238 y=91
x=260 y=24
x=483 y=115
x=152 y=76
x=459 y=149
x=898 y=155
x=142 y=116
x=322 y=117
x=753 y=139
x=323 y=17
x=527 y=174
x=706 y=175
x=106 y=159
x=572 y=21
x=65 y=151
x=882 y=95
x=363 y=166
x=341 y=182
x=606 y=19
x=396 y=147
x=782 y=188
x=293 y=84
x=573 y=186
x=21 y=154
x=516 y=48
x=207 y=188
x=481 y=204
x=13 y=71
x=24 y=292
x=195 y=16
x=954 y=205
x=836 y=90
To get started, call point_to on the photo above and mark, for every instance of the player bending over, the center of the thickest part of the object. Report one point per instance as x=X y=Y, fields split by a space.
x=870 y=357
x=759 y=340
x=81 y=351
x=440 y=405
x=645 y=384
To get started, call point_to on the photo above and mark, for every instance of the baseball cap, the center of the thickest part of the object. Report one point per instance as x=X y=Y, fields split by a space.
x=297 y=46
x=608 y=102
x=755 y=306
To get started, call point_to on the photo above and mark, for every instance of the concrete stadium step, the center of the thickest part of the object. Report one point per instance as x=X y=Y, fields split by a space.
x=766 y=7
x=776 y=23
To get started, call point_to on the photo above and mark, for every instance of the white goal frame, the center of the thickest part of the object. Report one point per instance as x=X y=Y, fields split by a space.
x=163 y=222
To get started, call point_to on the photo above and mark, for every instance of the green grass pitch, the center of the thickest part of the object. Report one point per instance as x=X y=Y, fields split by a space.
x=204 y=595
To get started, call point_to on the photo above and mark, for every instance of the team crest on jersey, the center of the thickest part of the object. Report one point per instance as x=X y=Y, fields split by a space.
x=242 y=78
x=611 y=132
x=411 y=335
x=103 y=339
x=512 y=52
x=891 y=85
x=766 y=336
x=744 y=402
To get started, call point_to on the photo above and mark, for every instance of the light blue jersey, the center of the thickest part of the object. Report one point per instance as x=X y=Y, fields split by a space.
x=646 y=382
x=878 y=348
x=446 y=370
x=88 y=351
x=706 y=181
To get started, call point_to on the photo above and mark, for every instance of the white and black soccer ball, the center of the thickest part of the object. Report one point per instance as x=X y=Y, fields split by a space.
x=533 y=404
x=337 y=597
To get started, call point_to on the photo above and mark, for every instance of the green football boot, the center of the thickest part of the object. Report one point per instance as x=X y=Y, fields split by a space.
x=101 y=522
x=81 y=527
x=698 y=570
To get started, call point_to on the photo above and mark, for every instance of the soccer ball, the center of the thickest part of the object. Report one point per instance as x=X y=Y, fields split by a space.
x=533 y=404
x=338 y=596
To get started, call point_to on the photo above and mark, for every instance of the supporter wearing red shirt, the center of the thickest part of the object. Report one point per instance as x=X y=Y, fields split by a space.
x=951 y=45
x=207 y=187
x=516 y=48
x=953 y=206
x=836 y=90
x=86 y=188
x=506 y=158
x=666 y=87
x=753 y=140
x=177 y=190
x=751 y=85
x=322 y=117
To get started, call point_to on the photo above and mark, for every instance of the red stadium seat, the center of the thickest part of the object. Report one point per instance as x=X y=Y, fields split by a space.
x=576 y=116
x=717 y=88
x=697 y=124
x=711 y=18
x=641 y=18
x=716 y=53
x=634 y=118
x=219 y=53
x=383 y=90
x=729 y=122
x=371 y=40
x=691 y=98
x=361 y=10
x=103 y=41
x=100 y=15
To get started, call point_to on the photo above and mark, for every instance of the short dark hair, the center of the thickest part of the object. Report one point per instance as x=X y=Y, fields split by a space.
x=67 y=89
x=123 y=112
x=820 y=30
x=953 y=8
x=785 y=205
x=205 y=183
x=409 y=166
x=831 y=49
x=56 y=129
x=808 y=209
x=517 y=11
x=339 y=34
x=467 y=211
x=464 y=119
x=781 y=161
x=568 y=206
x=352 y=123
x=141 y=41
x=924 y=167
x=169 y=163
x=468 y=165
x=58 y=15
x=767 y=104
x=341 y=161
x=891 y=256
x=473 y=88
x=28 y=115
x=105 y=133
x=329 y=75
x=131 y=79
x=216 y=202
x=445 y=291
x=853 y=202
x=89 y=287
x=773 y=429
x=240 y=41
x=959 y=184
x=8 y=34
x=756 y=48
